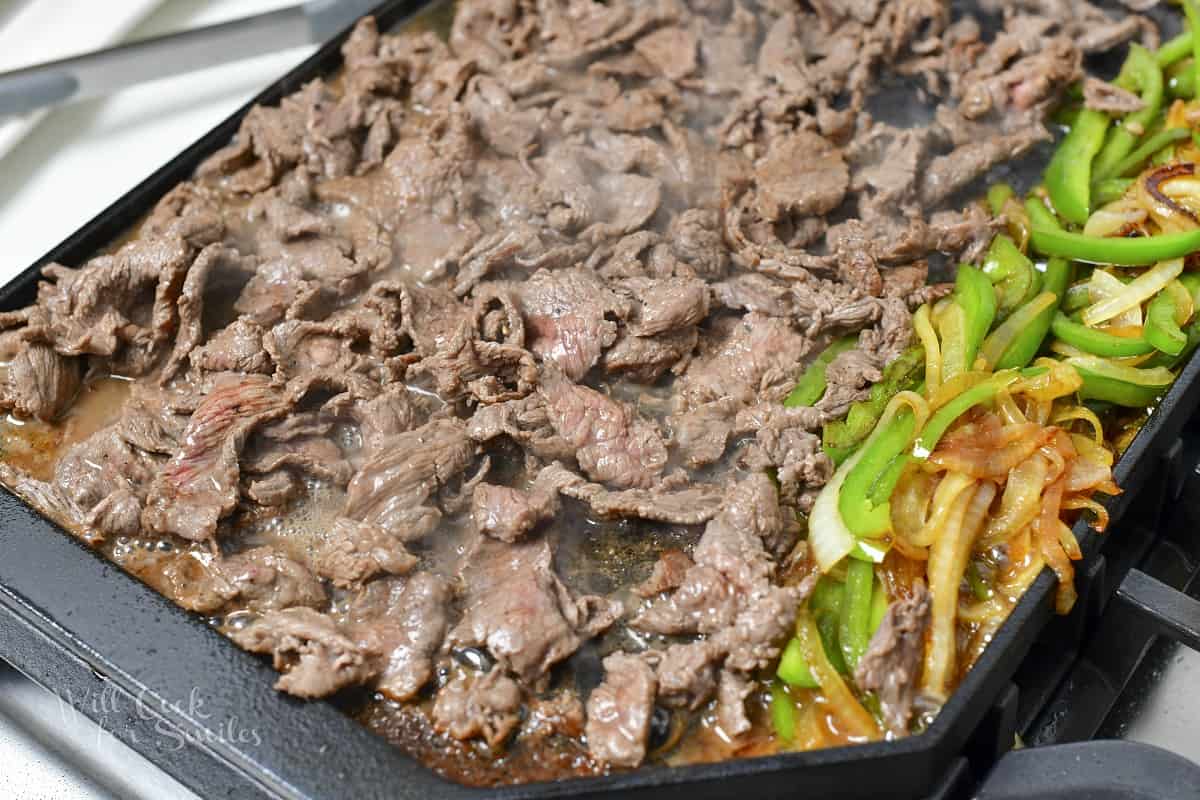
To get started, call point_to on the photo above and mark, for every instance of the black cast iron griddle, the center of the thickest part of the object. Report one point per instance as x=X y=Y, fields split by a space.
x=159 y=679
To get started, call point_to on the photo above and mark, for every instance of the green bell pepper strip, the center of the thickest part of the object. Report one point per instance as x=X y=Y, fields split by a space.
x=793 y=668
x=1078 y=297
x=864 y=518
x=1011 y=273
x=1191 y=282
x=1040 y=216
x=1162 y=329
x=1098 y=342
x=842 y=437
x=1178 y=48
x=944 y=417
x=1126 y=252
x=1106 y=191
x=783 y=713
x=1181 y=79
x=1069 y=175
x=1143 y=74
x=1118 y=384
x=997 y=196
x=1022 y=350
x=978 y=297
x=1134 y=161
x=879 y=606
x=1192 y=10
x=854 y=631
x=811 y=386
x=826 y=607
x=975 y=581
x=965 y=323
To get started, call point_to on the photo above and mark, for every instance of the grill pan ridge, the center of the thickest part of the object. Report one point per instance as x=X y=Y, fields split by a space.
x=162 y=681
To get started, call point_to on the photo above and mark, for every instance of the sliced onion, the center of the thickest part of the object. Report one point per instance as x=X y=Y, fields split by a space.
x=1104 y=285
x=910 y=510
x=1133 y=294
x=856 y=721
x=923 y=327
x=1115 y=219
x=1046 y=529
x=947 y=564
x=1100 y=523
x=1084 y=414
x=944 y=498
x=1020 y=504
x=829 y=540
x=1058 y=380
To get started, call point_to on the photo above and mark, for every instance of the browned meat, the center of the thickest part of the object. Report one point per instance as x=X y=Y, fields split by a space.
x=41 y=383
x=703 y=602
x=802 y=175
x=356 y=551
x=612 y=444
x=892 y=664
x=518 y=609
x=1103 y=96
x=619 y=709
x=86 y=311
x=236 y=348
x=566 y=315
x=486 y=706
x=266 y=581
x=397 y=489
x=199 y=485
x=314 y=655
x=105 y=479
x=691 y=506
x=404 y=622
x=508 y=514
x=669 y=573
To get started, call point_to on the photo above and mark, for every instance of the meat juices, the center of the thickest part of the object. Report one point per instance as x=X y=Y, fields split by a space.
x=417 y=361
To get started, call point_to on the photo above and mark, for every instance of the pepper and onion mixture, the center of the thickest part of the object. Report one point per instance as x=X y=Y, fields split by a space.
x=959 y=477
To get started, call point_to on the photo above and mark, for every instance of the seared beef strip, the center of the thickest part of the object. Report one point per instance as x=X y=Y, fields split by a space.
x=892 y=663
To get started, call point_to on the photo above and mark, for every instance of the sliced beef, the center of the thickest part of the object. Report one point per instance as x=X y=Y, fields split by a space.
x=508 y=514
x=40 y=382
x=703 y=602
x=266 y=581
x=516 y=607
x=315 y=656
x=398 y=488
x=612 y=443
x=692 y=505
x=105 y=478
x=237 y=347
x=802 y=175
x=199 y=485
x=1100 y=95
x=891 y=665
x=486 y=706
x=619 y=710
x=567 y=318
x=669 y=572
x=405 y=622
x=744 y=358
x=356 y=551
x=120 y=305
